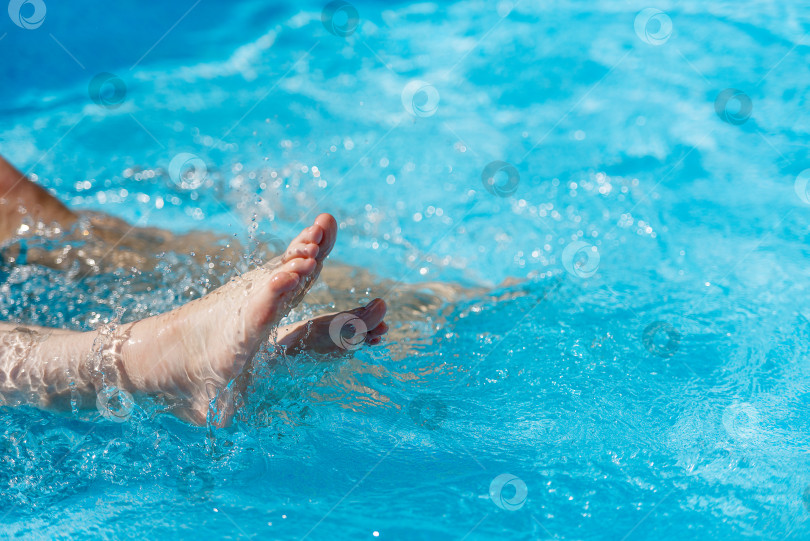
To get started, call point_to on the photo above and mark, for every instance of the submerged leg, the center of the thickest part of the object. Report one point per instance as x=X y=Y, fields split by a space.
x=21 y=198
x=97 y=242
x=336 y=333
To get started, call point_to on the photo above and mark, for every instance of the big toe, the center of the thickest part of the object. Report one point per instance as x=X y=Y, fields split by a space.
x=349 y=330
x=328 y=224
x=300 y=267
x=371 y=315
x=315 y=241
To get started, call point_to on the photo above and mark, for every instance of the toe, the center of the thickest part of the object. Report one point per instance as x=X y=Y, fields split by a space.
x=300 y=250
x=302 y=266
x=328 y=225
x=377 y=307
x=284 y=281
x=311 y=236
x=372 y=314
x=379 y=330
x=322 y=234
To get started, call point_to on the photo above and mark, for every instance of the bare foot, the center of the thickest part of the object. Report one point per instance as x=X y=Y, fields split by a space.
x=336 y=333
x=193 y=353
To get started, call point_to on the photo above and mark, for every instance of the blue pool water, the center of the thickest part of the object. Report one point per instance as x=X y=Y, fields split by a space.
x=649 y=380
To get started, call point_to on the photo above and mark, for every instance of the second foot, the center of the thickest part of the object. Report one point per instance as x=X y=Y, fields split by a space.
x=336 y=333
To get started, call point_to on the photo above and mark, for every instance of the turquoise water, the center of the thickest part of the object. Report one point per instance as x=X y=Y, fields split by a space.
x=649 y=380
